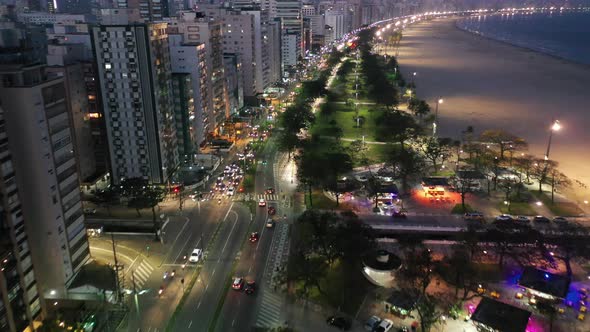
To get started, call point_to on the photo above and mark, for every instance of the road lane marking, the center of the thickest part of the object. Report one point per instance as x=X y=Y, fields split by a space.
x=110 y=251
x=213 y=273
x=176 y=239
x=230 y=232
x=233 y=322
x=182 y=248
x=190 y=324
x=199 y=305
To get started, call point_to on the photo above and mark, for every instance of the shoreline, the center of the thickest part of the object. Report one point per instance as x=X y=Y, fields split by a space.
x=492 y=84
x=517 y=45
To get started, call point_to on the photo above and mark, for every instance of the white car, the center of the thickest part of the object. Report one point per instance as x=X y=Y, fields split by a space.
x=230 y=191
x=262 y=202
x=196 y=255
x=89 y=211
x=385 y=326
x=270 y=223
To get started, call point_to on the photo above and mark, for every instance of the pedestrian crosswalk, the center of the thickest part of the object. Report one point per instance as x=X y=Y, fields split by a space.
x=269 y=312
x=241 y=197
x=141 y=273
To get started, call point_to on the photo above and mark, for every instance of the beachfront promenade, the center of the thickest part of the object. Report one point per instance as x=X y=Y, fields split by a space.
x=492 y=85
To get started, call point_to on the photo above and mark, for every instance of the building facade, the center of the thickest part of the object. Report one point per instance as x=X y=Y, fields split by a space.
x=196 y=28
x=19 y=299
x=134 y=72
x=35 y=111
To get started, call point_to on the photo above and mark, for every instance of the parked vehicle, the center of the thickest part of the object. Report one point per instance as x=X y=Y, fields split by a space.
x=541 y=219
x=341 y=323
x=372 y=323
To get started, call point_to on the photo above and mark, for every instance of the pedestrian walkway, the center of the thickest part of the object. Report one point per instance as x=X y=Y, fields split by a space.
x=142 y=273
x=269 y=311
x=241 y=197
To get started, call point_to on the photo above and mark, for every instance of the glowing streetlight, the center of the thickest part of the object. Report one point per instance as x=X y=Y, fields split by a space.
x=556 y=126
x=439 y=101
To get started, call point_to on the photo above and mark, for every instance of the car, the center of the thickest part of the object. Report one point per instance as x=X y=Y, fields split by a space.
x=372 y=323
x=270 y=223
x=272 y=211
x=250 y=287
x=254 y=237
x=269 y=191
x=238 y=283
x=504 y=217
x=89 y=211
x=385 y=326
x=362 y=178
x=522 y=219
x=339 y=322
x=196 y=255
x=399 y=214
x=230 y=191
x=559 y=220
x=475 y=216
x=262 y=202
x=541 y=219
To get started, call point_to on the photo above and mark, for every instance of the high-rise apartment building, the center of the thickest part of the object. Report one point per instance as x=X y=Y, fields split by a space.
x=196 y=28
x=289 y=11
x=134 y=72
x=70 y=51
x=19 y=299
x=191 y=59
x=149 y=10
x=335 y=19
x=233 y=77
x=40 y=138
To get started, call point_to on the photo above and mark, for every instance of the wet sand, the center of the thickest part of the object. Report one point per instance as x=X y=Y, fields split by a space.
x=489 y=84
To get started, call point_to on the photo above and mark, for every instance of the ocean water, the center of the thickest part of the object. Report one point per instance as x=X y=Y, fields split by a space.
x=565 y=35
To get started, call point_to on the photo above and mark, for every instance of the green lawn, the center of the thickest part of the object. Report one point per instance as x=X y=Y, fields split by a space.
x=344 y=117
x=564 y=209
x=458 y=209
x=319 y=200
x=376 y=153
x=338 y=290
x=520 y=208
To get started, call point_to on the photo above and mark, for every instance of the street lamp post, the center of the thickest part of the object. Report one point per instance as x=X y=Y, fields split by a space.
x=556 y=126
x=438 y=101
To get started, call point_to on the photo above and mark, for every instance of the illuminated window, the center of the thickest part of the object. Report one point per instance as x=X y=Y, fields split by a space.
x=107 y=66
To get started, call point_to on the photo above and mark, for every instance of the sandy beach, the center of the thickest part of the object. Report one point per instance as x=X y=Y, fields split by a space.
x=490 y=84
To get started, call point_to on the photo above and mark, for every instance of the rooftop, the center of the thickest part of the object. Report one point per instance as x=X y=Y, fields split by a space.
x=98 y=275
x=545 y=282
x=435 y=181
x=382 y=260
x=500 y=316
x=403 y=299
x=470 y=174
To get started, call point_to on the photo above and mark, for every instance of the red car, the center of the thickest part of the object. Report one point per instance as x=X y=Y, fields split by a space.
x=272 y=211
x=270 y=191
x=254 y=237
x=238 y=283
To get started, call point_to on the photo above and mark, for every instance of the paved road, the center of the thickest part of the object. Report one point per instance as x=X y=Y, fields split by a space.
x=239 y=309
x=194 y=230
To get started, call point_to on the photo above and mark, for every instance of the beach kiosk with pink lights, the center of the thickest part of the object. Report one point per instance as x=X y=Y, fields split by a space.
x=495 y=316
